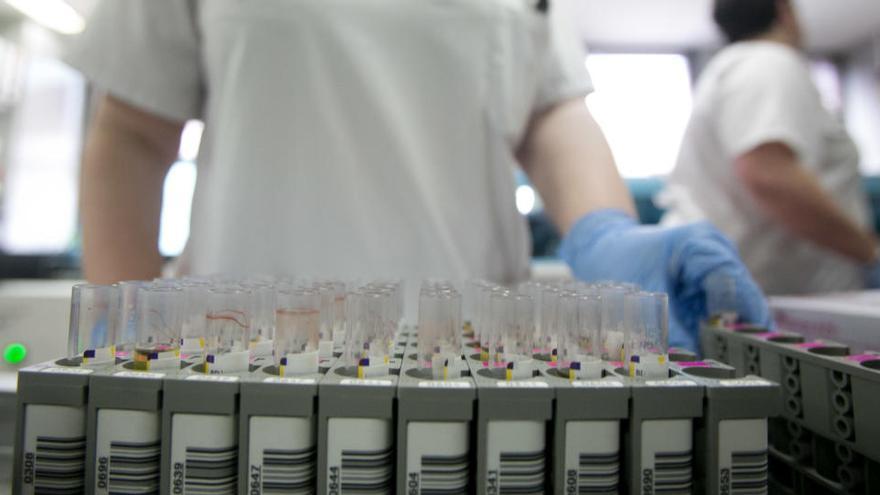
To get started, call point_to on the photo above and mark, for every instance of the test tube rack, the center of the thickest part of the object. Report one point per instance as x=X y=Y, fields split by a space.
x=828 y=437
x=402 y=432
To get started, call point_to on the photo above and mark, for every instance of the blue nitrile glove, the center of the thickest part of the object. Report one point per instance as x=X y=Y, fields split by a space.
x=611 y=245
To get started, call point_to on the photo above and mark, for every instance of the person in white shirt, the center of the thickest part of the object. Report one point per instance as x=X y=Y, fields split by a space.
x=771 y=167
x=365 y=139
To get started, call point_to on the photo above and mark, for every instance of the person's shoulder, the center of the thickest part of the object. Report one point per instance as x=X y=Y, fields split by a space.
x=763 y=57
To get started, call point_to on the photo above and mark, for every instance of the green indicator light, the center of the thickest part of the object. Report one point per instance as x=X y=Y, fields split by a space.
x=14 y=353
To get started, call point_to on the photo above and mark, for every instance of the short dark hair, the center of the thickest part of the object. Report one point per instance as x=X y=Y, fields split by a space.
x=743 y=19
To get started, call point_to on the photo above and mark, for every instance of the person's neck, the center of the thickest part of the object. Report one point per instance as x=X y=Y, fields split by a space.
x=779 y=36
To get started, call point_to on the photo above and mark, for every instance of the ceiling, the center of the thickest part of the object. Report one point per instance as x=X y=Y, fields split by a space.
x=830 y=25
x=655 y=25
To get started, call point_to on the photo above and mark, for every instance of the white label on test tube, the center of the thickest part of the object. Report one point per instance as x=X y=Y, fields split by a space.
x=262 y=349
x=128 y=447
x=231 y=362
x=742 y=454
x=305 y=363
x=667 y=456
x=592 y=456
x=437 y=457
x=55 y=444
x=192 y=347
x=100 y=357
x=360 y=455
x=281 y=454
x=516 y=457
x=325 y=348
x=204 y=453
x=649 y=365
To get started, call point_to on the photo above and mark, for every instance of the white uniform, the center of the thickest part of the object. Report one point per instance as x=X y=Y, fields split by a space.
x=753 y=93
x=354 y=138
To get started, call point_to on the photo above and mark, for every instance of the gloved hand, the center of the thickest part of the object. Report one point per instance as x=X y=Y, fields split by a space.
x=611 y=245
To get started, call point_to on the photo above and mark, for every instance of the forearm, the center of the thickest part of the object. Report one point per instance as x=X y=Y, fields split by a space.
x=796 y=200
x=121 y=198
x=570 y=164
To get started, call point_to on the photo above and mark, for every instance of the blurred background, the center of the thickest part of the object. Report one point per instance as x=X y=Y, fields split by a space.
x=644 y=57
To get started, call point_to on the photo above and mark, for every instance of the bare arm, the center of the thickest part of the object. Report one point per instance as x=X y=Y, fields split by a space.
x=792 y=196
x=127 y=155
x=570 y=164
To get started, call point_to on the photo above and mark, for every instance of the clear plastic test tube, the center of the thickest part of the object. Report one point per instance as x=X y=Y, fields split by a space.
x=515 y=314
x=93 y=314
x=159 y=310
x=263 y=326
x=126 y=322
x=439 y=339
x=228 y=319
x=647 y=339
x=721 y=306
x=368 y=342
x=613 y=324
x=298 y=315
x=584 y=348
x=193 y=322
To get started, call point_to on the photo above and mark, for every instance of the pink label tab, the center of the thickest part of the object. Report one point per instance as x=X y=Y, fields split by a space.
x=694 y=364
x=766 y=335
x=617 y=364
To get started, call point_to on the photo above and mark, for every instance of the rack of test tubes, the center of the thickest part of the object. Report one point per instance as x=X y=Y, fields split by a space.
x=827 y=439
x=269 y=386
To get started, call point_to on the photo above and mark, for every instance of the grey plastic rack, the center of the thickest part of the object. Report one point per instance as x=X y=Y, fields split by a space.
x=50 y=432
x=356 y=430
x=278 y=431
x=830 y=397
x=588 y=421
x=512 y=422
x=200 y=432
x=731 y=435
x=434 y=428
x=124 y=431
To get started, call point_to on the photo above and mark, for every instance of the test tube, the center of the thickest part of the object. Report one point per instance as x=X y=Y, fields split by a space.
x=439 y=340
x=584 y=348
x=228 y=321
x=126 y=322
x=159 y=324
x=647 y=334
x=720 y=290
x=613 y=324
x=515 y=316
x=92 y=333
x=368 y=343
x=298 y=315
x=193 y=322
x=263 y=322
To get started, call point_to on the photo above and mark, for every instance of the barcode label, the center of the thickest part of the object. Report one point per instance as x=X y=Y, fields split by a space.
x=360 y=456
x=134 y=467
x=210 y=470
x=366 y=471
x=60 y=464
x=54 y=450
x=281 y=455
x=743 y=465
x=673 y=472
x=516 y=457
x=667 y=457
x=437 y=458
x=204 y=454
x=749 y=474
x=288 y=471
x=592 y=457
x=128 y=451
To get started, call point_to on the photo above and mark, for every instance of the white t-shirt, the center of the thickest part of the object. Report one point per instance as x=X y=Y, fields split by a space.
x=345 y=137
x=753 y=93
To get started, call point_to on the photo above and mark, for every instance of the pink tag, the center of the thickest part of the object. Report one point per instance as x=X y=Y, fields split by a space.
x=694 y=364
x=617 y=364
x=766 y=335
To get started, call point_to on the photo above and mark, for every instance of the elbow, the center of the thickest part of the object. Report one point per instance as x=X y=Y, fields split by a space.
x=764 y=170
